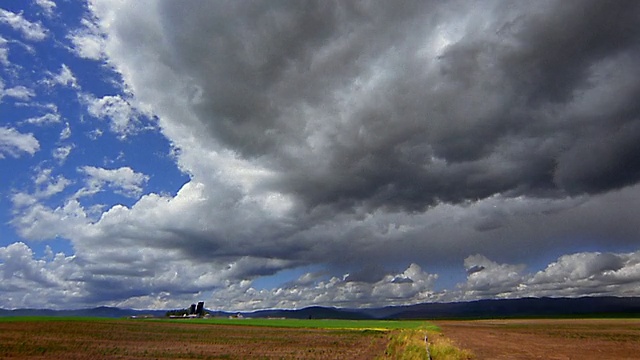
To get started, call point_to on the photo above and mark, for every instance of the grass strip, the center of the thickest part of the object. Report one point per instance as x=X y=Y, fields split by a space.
x=409 y=344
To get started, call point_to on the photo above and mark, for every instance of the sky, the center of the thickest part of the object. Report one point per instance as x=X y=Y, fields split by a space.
x=283 y=154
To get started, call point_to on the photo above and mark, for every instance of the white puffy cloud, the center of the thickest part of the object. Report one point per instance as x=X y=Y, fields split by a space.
x=47 y=5
x=18 y=92
x=49 y=118
x=28 y=282
x=124 y=118
x=88 y=41
x=62 y=152
x=594 y=274
x=123 y=181
x=40 y=222
x=573 y=275
x=64 y=78
x=4 y=52
x=45 y=186
x=58 y=281
x=94 y=134
x=488 y=279
x=66 y=132
x=408 y=287
x=13 y=142
x=30 y=30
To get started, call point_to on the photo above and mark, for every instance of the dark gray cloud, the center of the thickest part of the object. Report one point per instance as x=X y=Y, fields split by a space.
x=347 y=102
x=601 y=161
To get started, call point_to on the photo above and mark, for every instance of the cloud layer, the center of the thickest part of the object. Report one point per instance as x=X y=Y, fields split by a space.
x=353 y=136
x=358 y=106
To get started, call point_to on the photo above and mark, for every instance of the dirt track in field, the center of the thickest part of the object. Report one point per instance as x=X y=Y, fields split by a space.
x=134 y=339
x=601 y=339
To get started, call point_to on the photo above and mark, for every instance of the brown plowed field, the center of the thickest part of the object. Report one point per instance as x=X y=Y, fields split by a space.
x=135 y=339
x=600 y=339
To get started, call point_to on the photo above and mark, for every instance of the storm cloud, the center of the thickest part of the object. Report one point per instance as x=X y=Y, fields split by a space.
x=367 y=106
x=403 y=107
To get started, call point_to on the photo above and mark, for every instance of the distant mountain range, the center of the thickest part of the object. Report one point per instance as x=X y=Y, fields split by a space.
x=481 y=309
x=525 y=307
x=102 y=311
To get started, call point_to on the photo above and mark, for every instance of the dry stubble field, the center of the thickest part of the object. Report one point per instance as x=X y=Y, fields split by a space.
x=601 y=339
x=133 y=339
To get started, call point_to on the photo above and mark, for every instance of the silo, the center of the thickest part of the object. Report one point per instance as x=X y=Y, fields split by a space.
x=200 y=308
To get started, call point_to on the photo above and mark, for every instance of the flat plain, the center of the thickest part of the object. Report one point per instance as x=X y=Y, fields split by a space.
x=91 y=338
x=181 y=339
x=546 y=339
x=143 y=339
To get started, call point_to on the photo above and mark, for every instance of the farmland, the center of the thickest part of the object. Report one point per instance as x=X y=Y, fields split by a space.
x=221 y=338
x=37 y=338
x=320 y=323
x=547 y=339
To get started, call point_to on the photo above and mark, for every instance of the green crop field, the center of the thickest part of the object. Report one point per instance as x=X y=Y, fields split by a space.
x=280 y=322
x=317 y=323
